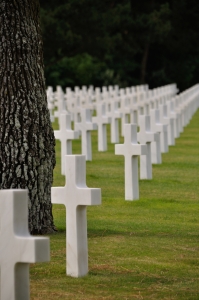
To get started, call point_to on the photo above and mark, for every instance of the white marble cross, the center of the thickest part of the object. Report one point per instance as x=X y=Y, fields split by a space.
x=65 y=135
x=126 y=111
x=164 y=133
x=114 y=114
x=175 y=115
x=134 y=107
x=131 y=150
x=76 y=196
x=17 y=247
x=61 y=104
x=51 y=110
x=156 y=126
x=50 y=101
x=146 y=136
x=85 y=127
x=101 y=120
x=168 y=120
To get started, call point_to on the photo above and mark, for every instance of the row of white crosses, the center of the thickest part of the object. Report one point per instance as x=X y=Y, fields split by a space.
x=18 y=248
x=166 y=119
x=158 y=130
x=76 y=196
x=71 y=100
x=113 y=112
x=156 y=135
x=84 y=123
x=152 y=99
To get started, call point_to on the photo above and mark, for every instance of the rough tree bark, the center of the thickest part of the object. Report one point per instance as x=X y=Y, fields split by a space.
x=27 y=155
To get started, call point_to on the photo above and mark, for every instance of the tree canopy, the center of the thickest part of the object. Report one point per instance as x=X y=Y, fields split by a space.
x=120 y=42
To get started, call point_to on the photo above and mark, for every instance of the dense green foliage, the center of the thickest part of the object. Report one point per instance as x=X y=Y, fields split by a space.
x=121 y=42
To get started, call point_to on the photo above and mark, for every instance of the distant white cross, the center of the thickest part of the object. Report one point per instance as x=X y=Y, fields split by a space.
x=164 y=133
x=169 y=121
x=126 y=111
x=114 y=115
x=156 y=126
x=76 y=196
x=85 y=127
x=131 y=150
x=175 y=115
x=60 y=103
x=134 y=107
x=146 y=136
x=65 y=135
x=17 y=247
x=51 y=110
x=101 y=120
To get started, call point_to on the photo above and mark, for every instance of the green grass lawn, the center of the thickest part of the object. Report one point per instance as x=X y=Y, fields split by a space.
x=144 y=249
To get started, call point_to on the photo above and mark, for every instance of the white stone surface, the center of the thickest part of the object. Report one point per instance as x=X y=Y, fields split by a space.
x=131 y=150
x=125 y=110
x=173 y=113
x=61 y=104
x=168 y=120
x=101 y=120
x=50 y=100
x=85 y=126
x=76 y=196
x=146 y=136
x=17 y=247
x=133 y=107
x=156 y=126
x=51 y=111
x=65 y=135
x=164 y=134
x=114 y=114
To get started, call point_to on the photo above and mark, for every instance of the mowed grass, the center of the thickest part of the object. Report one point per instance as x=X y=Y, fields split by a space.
x=144 y=249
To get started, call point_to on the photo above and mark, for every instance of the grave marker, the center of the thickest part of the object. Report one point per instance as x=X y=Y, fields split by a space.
x=61 y=104
x=126 y=111
x=169 y=121
x=101 y=120
x=85 y=126
x=65 y=135
x=146 y=136
x=114 y=115
x=175 y=115
x=131 y=150
x=156 y=126
x=75 y=195
x=17 y=247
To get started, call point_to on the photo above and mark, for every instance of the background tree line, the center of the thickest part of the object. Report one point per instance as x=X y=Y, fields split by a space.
x=124 y=42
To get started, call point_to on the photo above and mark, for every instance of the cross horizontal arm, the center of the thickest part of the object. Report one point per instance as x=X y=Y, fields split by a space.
x=58 y=195
x=34 y=249
x=88 y=196
x=134 y=149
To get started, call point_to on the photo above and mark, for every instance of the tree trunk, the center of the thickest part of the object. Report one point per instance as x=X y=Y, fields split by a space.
x=27 y=155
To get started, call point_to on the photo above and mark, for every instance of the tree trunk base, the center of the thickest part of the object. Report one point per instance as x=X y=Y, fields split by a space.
x=43 y=231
